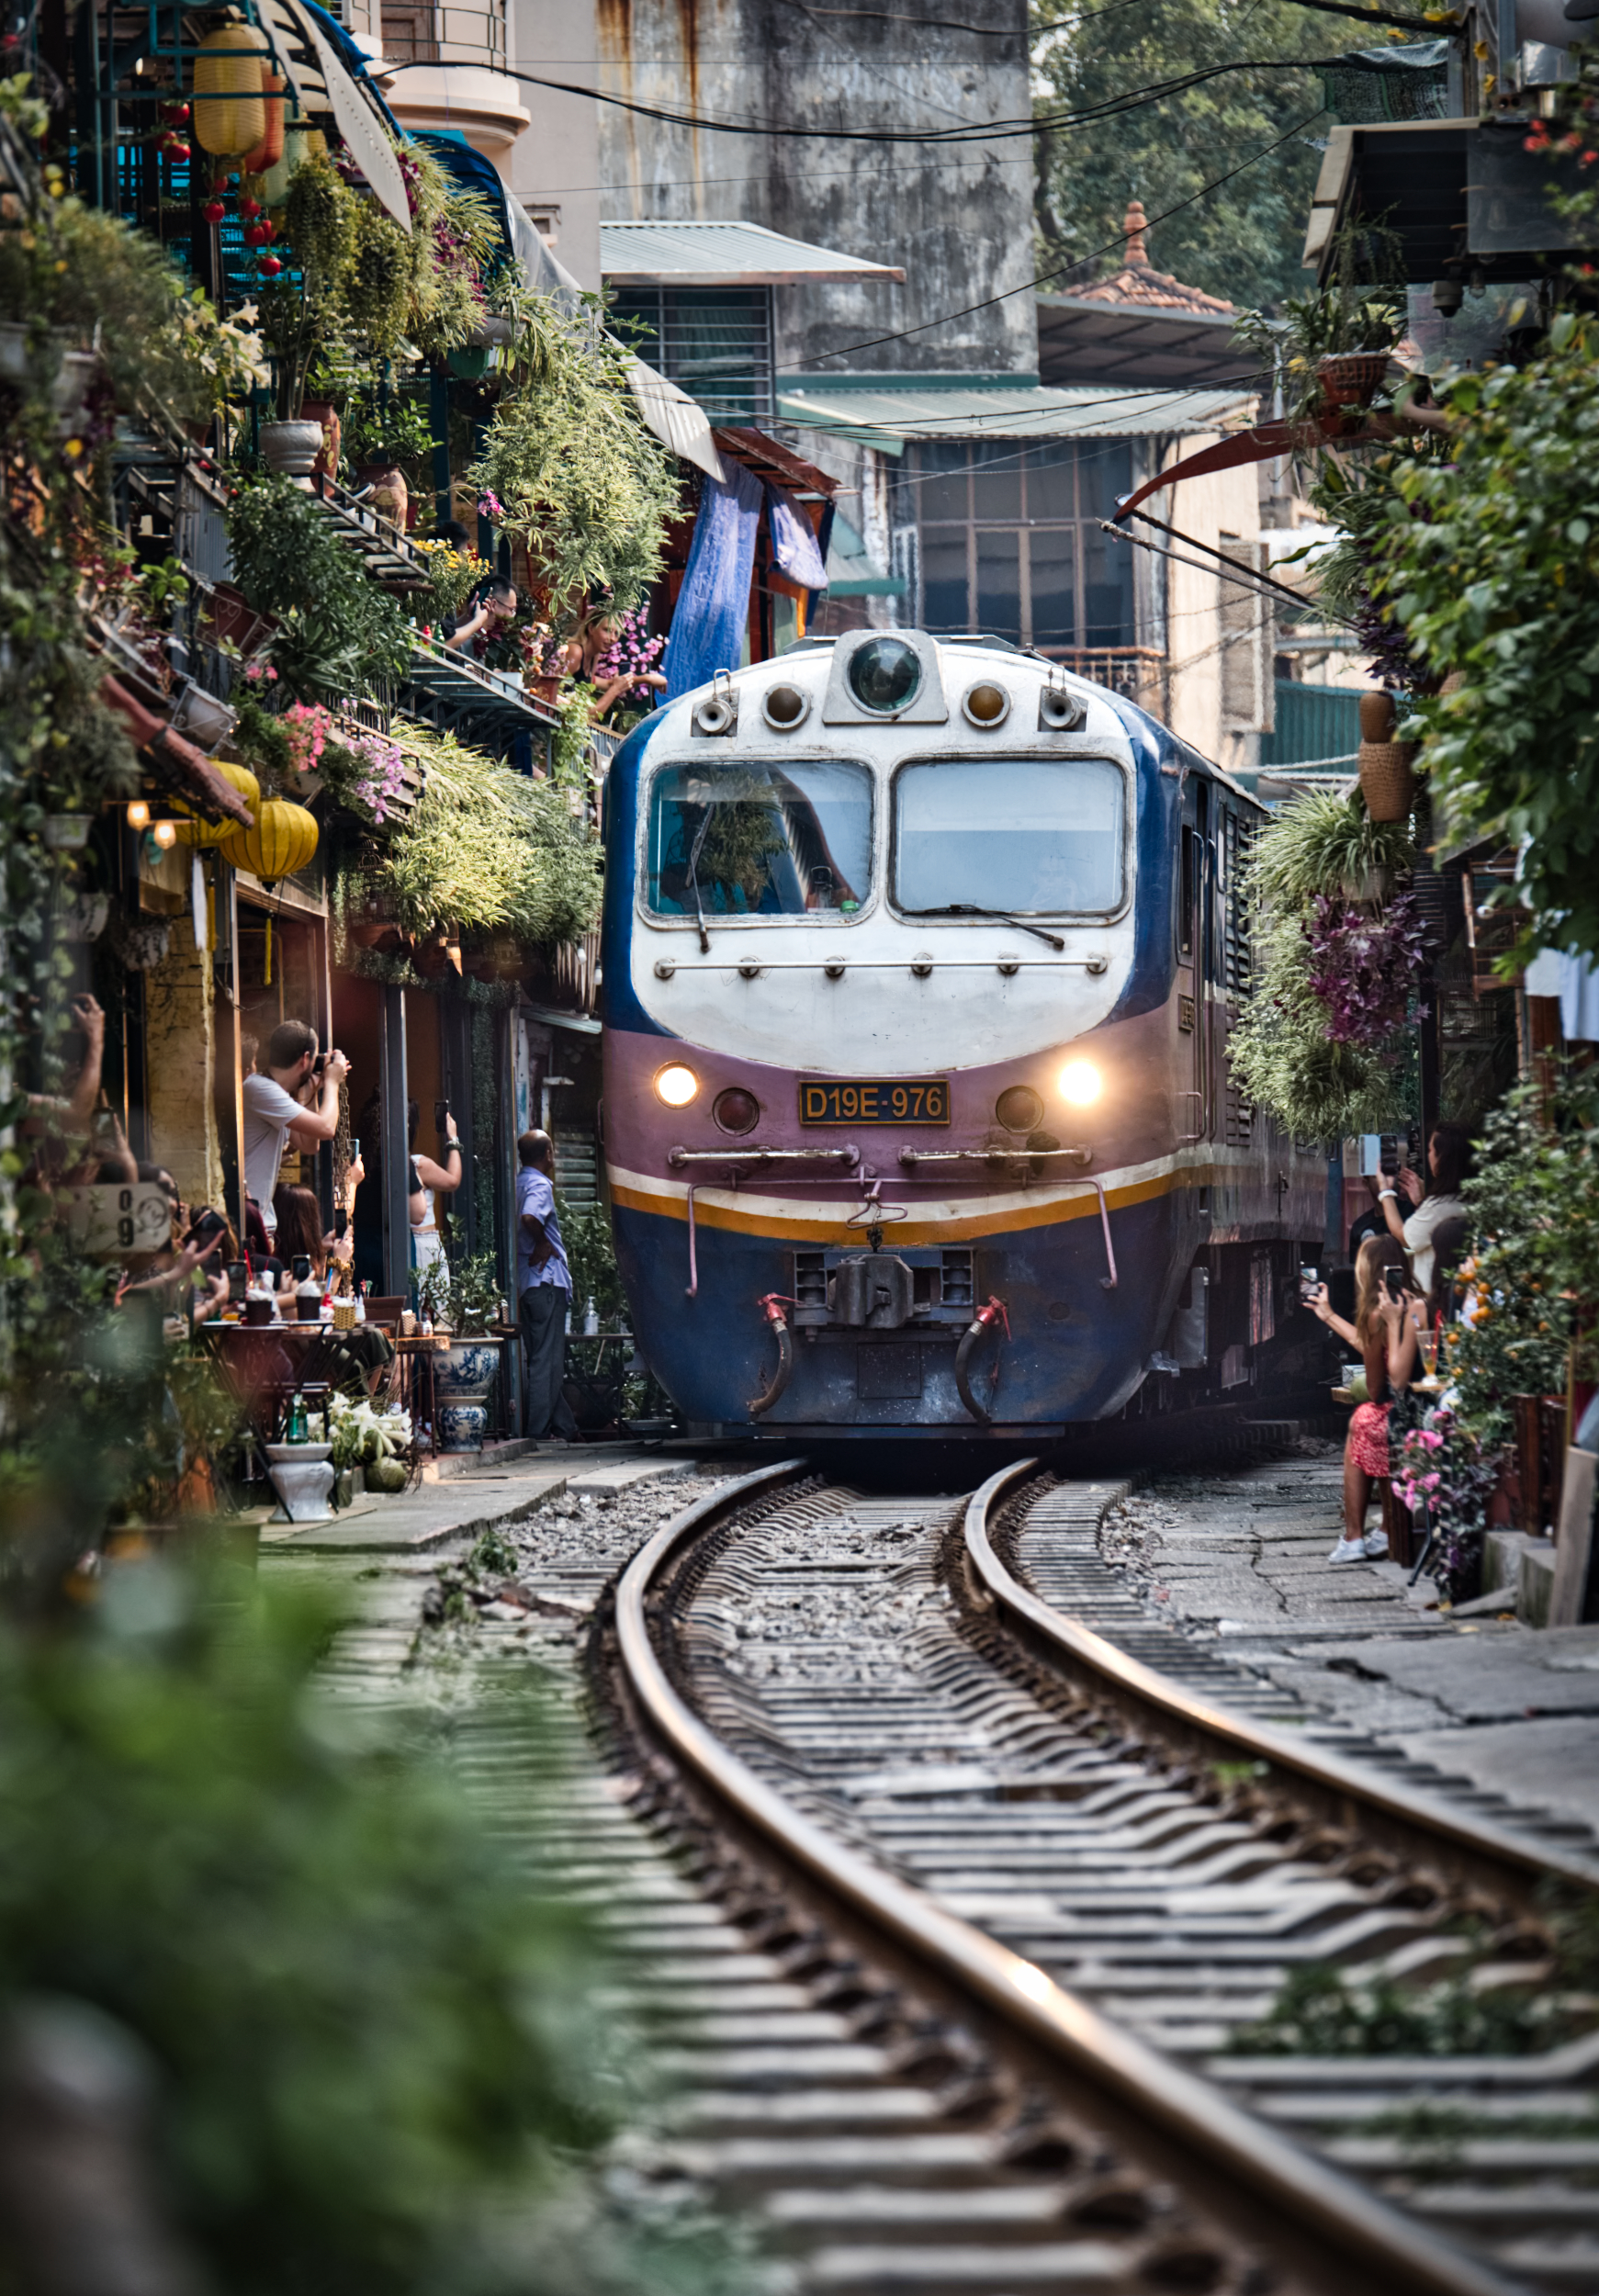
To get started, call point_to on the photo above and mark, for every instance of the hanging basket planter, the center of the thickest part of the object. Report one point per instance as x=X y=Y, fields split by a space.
x=1350 y=378
x=1388 y=779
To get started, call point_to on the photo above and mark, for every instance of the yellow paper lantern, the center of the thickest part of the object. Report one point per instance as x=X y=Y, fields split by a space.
x=230 y=116
x=283 y=840
x=204 y=833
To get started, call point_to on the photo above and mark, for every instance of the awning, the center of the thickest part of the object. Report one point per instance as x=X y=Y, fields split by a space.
x=722 y=254
x=889 y=414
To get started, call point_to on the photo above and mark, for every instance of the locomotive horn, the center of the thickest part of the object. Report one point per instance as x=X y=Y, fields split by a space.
x=1059 y=711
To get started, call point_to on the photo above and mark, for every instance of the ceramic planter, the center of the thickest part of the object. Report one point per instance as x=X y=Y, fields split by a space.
x=85 y=918
x=202 y=717
x=290 y=449
x=464 y=1375
x=67 y=832
x=302 y=1476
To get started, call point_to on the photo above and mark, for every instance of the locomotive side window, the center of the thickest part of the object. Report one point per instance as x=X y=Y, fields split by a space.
x=1028 y=836
x=749 y=840
x=1187 y=886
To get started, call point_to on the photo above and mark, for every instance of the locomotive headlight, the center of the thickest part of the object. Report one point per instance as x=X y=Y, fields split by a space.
x=1081 y=1084
x=676 y=1085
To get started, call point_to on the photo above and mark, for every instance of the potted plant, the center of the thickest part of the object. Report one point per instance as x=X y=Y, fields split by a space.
x=467 y=1301
x=1331 y=346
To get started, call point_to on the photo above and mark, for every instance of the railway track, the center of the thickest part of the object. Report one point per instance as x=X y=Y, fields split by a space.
x=983 y=1901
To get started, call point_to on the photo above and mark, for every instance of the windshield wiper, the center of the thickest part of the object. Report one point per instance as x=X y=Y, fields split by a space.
x=1003 y=917
x=694 y=880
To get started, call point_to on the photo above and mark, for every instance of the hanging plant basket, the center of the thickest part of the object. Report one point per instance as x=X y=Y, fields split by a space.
x=1350 y=378
x=141 y=942
x=1388 y=779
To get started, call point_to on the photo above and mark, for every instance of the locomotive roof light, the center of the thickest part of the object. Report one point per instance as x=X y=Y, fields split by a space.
x=676 y=1085
x=785 y=707
x=986 y=705
x=1081 y=1084
x=886 y=675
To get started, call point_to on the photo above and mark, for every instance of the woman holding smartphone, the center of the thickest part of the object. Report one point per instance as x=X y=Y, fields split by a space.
x=1384 y=1333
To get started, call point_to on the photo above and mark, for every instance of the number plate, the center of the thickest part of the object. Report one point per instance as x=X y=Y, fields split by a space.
x=875 y=1101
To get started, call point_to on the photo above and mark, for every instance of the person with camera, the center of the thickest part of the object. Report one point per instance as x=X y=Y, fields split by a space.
x=1384 y=1334
x=429 y=1181
x=1415 y=1209
x=275 y=1114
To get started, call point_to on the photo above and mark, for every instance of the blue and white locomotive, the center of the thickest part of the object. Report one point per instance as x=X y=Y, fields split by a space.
x=919 y=957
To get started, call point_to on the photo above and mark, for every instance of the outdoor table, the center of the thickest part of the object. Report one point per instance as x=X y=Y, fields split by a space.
x=413 y=1356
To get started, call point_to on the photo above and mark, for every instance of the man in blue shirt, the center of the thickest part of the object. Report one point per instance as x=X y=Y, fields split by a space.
x=543 y=1289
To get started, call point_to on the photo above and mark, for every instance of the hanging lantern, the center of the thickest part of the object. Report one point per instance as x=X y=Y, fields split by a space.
x=269 y=151
x=283 y=840
x=204 y=833
x=230 y=116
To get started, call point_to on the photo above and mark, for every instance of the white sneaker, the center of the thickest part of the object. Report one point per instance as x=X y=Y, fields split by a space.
x=1348 y=1551
x=1375 y=1544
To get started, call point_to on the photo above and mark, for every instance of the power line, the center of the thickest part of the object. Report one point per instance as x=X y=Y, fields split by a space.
x=966 y=311
x=994 y=132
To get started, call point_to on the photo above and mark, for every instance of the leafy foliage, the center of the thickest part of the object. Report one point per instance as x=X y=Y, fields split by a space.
x=1489 y=563
x=1322 y=2013
x=1535 y=1206
x=337 y=633
x=486 y=847
x=367 y=2036
x=592 y=1256
x=585 y=487
x=1317 y=1057
x=1446 y=1469
x=1230 y=242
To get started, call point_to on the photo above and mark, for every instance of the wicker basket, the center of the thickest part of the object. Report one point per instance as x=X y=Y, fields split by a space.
x=1351 y=379
x=1388 y=779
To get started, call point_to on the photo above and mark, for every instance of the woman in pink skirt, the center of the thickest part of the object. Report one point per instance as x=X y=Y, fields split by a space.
x=1385 y=1334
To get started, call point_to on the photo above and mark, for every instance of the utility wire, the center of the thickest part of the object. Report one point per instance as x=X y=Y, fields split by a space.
x=994 y=132
x=873 y=343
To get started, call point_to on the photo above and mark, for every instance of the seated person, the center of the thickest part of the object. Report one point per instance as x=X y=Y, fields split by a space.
x=350 y=1358
x=1385 y=1333
x=488 y=614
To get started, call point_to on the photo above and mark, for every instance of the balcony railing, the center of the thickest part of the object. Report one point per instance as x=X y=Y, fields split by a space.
x=421 y=33
x=1136 y=672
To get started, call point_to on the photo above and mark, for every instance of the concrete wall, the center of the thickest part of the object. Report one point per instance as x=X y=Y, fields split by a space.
x=556 y=164
x=957 y=219
x=1210 y=509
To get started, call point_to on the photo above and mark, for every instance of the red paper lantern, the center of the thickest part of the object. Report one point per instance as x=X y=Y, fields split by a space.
x=213 y=211
x=270 y=264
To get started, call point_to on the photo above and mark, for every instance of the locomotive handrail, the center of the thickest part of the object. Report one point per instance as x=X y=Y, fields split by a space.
x=993 y=1156
x=750 y=968
x=678 y=1157
x=1393 y=2254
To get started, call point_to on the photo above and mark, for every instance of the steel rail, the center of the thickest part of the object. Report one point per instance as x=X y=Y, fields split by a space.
x=1240 y=1734
x=1394 y=2253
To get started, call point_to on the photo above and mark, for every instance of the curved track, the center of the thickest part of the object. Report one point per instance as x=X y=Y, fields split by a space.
x=1109 y=1917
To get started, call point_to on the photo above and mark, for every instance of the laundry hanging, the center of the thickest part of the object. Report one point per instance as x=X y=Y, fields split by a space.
x=713 y=609
x=795 y=548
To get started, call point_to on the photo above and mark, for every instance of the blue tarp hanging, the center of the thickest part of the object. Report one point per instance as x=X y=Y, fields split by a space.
x=712 y=608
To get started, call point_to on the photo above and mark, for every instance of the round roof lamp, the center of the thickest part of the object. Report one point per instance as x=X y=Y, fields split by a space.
x=986 y=705
x=283 y=840
x=192 y=832
x=785 y=707
x=885 y=676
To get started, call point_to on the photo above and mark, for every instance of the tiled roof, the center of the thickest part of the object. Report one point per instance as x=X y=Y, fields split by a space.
x=1137 y=281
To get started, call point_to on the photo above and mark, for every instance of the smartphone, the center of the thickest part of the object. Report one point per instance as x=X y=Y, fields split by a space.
x=1393 y=1283
x=299 y=1267
x=210 y=1225
x=354 y=1152
x=441 y=1111
x=238 y=1280
x=1387 y=1155
x=1310 y=1282
x=341 y=1222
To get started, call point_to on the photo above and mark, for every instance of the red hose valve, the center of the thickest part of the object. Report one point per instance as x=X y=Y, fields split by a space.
x=774 y=1304
x=991 y=1311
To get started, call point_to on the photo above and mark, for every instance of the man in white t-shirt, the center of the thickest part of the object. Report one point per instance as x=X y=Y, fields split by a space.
x=274 y=1115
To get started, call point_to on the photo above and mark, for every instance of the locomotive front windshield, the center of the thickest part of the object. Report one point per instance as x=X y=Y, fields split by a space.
x=1030 y=836
x=752 y=840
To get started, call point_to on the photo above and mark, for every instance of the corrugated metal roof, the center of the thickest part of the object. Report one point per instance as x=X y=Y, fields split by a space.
x=721 y=255
x=889 y=417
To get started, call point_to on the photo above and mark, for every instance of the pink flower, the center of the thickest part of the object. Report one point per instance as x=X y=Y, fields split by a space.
x=490 y=505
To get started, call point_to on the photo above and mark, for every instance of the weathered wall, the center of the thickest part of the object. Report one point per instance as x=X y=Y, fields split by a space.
x=180 y=1068
x=957 y=218
x=557 y=159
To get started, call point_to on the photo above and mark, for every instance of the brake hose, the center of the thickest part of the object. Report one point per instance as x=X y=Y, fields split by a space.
x=992 y=1313
x=774 y=1304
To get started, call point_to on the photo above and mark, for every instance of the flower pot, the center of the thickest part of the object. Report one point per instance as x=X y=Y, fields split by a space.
x=463 y=1373
x=67 y=832
x=302 y=1477
x=141 y=942
x=326 y=416
x=202 y=717
x=1350 y=378
x=290 y=449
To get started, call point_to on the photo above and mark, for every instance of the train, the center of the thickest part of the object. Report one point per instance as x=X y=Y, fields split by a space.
x=919 y=960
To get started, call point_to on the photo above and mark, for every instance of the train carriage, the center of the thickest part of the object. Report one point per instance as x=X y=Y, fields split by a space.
x=919 y=957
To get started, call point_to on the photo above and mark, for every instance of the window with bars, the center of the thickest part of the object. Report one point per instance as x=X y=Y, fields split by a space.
x=714 y=342
x=1011 y=546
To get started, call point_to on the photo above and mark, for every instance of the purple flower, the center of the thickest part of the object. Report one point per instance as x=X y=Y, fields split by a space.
x=1364 y=969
